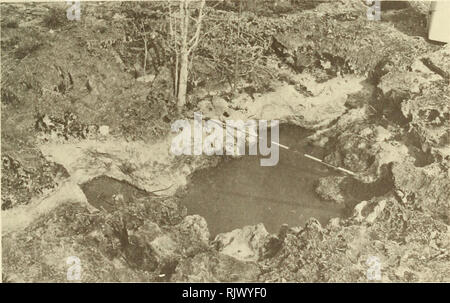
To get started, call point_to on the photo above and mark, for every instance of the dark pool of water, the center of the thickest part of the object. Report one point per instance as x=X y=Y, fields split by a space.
x=240 y=192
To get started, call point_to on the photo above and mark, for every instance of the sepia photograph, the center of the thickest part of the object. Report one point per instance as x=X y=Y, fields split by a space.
x=263 y=141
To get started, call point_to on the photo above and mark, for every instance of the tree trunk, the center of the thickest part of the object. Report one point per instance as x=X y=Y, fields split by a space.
x=184 y=53
x=236 y=65
x=186 y=47
x=183 y=78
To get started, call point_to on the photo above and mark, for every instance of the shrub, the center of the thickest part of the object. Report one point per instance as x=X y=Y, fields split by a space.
x=8 y=97
x=56 y=18
x=27 y=46
x=11 y=23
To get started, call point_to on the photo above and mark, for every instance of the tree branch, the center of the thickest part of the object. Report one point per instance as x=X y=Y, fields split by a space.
x=199 y=26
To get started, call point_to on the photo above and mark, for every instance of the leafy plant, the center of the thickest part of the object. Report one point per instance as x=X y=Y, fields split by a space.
x=56 y=18
x=11 y=23
x=27 y=46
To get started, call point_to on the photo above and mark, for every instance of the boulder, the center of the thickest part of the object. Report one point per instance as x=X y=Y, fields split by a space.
x=245 y=244
x=328 y=189
x=215 y=267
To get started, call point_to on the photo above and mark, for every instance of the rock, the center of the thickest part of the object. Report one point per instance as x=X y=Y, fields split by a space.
x=220 y=106
x=274 y=243
x=93 y=85
x=20 y=218
x=245 y=244
x=381 y=134
x=430 y=115
x=164 y=247
x=104 y=130
x=241 y=99
x=428 y=187
x=147 y=233
x=201 y=93
x=313 y=112
x=364 y=148
x=219 y=103
x=153 y=165
x=439 y=62
x=192 y=234
x=206 y=108
x=334 y=223
x=196 y=226
x=146 y=78
x=329 y=189
x=420 y=97
x=393 y=151
x=401 y=196
x=118 y=16
x=367 y=211
x=357 y=211
x=215 y=267
x=313 y=230
x=376 y=212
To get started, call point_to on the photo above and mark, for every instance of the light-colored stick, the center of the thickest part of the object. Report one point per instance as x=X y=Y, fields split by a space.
x=287 y=148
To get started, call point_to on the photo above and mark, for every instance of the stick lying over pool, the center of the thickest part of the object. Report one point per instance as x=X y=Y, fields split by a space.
x=295 y=151
x=329 y=165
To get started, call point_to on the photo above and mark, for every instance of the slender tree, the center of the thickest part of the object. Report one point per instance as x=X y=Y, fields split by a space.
x=236 y=58
x=185 y=33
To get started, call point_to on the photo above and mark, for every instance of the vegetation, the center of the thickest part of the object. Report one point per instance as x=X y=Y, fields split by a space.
x=27 y=46
x=55 y=18
x=123 y=68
